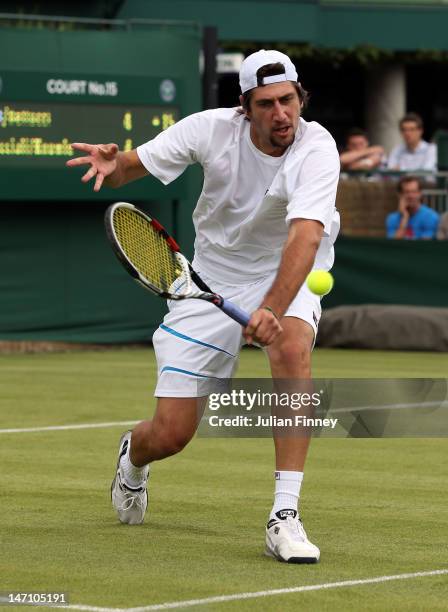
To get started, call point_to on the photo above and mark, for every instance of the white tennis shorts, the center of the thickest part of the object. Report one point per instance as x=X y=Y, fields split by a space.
x=197 y=343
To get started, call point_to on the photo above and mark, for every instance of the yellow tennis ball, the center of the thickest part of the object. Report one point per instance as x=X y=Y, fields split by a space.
x=320 y=282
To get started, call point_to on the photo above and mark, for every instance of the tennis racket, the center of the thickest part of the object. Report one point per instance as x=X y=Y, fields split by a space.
x=152 y=257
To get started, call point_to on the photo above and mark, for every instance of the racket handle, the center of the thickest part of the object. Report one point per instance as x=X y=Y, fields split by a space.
x=236 y=313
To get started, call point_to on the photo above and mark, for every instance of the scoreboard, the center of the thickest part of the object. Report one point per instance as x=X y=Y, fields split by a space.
x=38 y=134
x=41 y=114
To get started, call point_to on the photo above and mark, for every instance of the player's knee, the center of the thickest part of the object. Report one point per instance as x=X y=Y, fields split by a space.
x=292 y=355
x=173 y=443
x=169 y=438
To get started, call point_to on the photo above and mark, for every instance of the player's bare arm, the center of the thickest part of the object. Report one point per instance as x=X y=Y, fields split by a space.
x=297 y=260
x=108 y=165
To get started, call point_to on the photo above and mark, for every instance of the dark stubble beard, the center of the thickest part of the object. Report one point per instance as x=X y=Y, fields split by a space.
x=281 y=145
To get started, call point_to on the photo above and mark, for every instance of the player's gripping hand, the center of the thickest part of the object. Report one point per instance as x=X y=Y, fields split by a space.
x=262 y=328
x=102 y=159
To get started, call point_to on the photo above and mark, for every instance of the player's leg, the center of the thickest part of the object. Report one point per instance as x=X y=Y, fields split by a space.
x=290 y=360
x=195 y=346
x=174 y=424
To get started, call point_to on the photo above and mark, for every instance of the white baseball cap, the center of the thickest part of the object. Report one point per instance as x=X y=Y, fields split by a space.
x=248 y=72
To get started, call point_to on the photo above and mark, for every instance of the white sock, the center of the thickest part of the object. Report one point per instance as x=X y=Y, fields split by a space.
x=133 y=476
x=287 y=491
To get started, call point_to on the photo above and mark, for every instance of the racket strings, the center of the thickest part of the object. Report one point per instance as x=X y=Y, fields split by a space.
x=148 y=251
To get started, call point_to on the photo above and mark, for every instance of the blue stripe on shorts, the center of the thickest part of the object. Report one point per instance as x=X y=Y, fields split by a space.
x=172 y=369
x=170 y=330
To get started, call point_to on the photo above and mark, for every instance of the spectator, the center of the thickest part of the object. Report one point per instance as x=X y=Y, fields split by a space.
x=415 y=153
x=358 y=154
x=442 y=231
x=412 y=220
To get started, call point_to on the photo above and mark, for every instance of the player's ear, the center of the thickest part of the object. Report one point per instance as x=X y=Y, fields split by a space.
x=301 y=101
x=245 y=112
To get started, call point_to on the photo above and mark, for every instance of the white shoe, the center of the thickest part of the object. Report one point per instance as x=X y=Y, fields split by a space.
x=130 y=503
x=287 y=541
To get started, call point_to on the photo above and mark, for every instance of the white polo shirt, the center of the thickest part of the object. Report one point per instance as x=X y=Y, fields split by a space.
x=248 y=198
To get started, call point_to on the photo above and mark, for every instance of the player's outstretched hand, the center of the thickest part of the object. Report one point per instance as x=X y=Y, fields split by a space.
x=263 y=328
x=101 y=157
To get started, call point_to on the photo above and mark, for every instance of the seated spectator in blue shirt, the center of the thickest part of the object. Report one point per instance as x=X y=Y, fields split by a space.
x=415 y=153
x=413 y=220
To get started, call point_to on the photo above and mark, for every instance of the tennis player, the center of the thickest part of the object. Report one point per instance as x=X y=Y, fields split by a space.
x=266 y=216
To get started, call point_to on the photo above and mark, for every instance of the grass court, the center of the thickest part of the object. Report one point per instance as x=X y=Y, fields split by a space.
x=375 y=507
